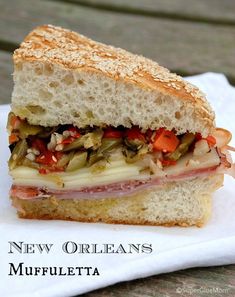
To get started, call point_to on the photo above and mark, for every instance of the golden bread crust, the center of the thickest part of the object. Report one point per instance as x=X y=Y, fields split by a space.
x=198 y=223
x=54 y=45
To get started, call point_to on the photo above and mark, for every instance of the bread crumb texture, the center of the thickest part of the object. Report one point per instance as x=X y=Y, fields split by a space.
x=183 y=203
x=62 y=77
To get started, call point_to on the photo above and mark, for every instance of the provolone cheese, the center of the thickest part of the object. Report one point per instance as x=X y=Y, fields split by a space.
x=115 y=171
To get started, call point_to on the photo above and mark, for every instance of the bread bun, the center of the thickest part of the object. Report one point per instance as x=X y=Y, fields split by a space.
x=62 y=77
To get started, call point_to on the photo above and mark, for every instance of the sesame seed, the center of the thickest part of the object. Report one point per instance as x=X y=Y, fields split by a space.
x=74 y=50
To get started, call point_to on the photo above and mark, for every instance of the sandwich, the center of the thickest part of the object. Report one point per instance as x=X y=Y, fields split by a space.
x=98 y=134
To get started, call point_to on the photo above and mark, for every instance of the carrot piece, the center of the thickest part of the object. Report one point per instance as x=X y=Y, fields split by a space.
x=13 y=138
x=15 y=122
x=211 y=140
x=165 y=141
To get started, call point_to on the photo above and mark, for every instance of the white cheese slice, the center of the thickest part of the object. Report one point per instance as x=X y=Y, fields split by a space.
x=115 y=171
x=190 y=162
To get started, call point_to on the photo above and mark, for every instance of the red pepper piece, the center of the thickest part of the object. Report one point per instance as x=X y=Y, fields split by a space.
x=112 y=133
x=198 y=136
x=68 y=140
x=168 y=162
x=75 y=131
x=46 y=158
x=149 y=134
x=58 y=155
x=40 y=145
x=135 y=133
x=42 y=171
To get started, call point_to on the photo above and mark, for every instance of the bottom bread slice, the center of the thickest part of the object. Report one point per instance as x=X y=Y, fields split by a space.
x=183 y=203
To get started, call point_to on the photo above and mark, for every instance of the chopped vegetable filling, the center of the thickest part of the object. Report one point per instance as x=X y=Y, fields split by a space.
x=68 y=148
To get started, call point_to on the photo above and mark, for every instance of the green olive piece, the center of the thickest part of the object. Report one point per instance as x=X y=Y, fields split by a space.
x=93 y=139
x=108 y=144
x=188 y=138
x=95 y=157
x=76 y=144
x=9 y=120
x=182 y=149
x=26 y=129
x=64 y=160
x=28 y=163
x=18 y=154
x=133 y=144
x=89 y=140
x=47 y=131
x=78 y=161
x=132 y=157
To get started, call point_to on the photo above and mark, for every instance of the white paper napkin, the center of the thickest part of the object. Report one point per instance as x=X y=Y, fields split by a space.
x=172 y=248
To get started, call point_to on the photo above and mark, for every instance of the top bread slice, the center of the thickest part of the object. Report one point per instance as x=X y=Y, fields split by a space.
x=62 y=77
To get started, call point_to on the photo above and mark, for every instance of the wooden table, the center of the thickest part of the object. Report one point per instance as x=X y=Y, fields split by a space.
x=187 y=36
